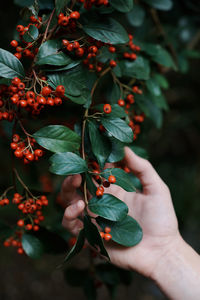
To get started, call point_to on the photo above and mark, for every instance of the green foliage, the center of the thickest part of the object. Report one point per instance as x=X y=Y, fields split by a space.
x=77 y=247
x=57 y=138
x=126 y=232
x=32 y=245
x=31 y=35
x=106 y=30
x=108 y=207
x=122 y=5
x=122 y=178
x=118 y=129
x=10 y=66
x=67 y=164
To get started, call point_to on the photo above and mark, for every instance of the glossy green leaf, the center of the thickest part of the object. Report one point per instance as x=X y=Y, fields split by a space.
x=118 y=128
x=106 y=30
x=100 y=143
x=10 y=66
x=117 y=111
x=31 y=35
x=57 y=138
x=122 y=5
x=122 y=178
x=67 y=164
x=139 y=69
x=93 y=236
x=136 y=16
x=77 y=247
x=73 y=81
x=126 y=232
x=84 y=98
x=32 y=245
x=153 y=87
x=160 y=4
x=60 y=4
x=161 y=80
x=163 y=57
x=49 y=54
x=117 y=152
x=108 y=207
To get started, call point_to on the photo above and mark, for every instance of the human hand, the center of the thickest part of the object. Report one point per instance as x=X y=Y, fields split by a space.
x=153 y=209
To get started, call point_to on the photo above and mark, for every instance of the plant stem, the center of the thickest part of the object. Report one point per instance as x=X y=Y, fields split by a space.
x=23 y=184
x=83 y=153
x=47 y=28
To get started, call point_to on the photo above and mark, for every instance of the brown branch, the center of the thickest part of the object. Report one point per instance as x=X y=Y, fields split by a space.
x=47 y=28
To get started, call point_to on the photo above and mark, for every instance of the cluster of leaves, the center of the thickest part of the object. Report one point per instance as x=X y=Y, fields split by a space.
x=95 y=137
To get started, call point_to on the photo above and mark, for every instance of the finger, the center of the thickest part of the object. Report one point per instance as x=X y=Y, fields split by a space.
x=69 y=193
x=70 y=219
x=142 y=168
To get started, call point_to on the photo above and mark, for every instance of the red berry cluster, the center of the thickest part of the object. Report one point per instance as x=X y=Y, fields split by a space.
x=24 y=149
x=4 y=201
x=22 y=47
x=69 y=20
x=89 y=3
x=73 y=46
x=23 y=96
x=106 y=234
x=103 y=183
x=32 y=209
x=131 y=55
x=15 y=241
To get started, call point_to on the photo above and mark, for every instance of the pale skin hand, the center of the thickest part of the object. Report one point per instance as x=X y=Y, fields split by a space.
x=154 y=256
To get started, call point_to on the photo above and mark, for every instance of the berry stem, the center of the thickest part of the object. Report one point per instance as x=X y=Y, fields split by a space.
x=83 y=153
x=47 y=28
x=23 y=184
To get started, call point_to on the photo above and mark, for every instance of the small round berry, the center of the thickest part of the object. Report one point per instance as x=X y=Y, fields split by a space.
x=113 y=63
x=79 y=52
x=75 y=15
x=70 y=47
x=46 y=91
x=65 y=43
x=107 y=229
x=107 y=237
x=20 y=223
x=112 y=179
x=112 y=49
x=18 y=55
x=60 y=90
x=20 y=250
x=21 y=86
x=121 y=102
x=76 y=45
x=20 y=28
x=64 y=21
x=38 y=152
x=36 y=228
x=99 y=193
x=107 y=108
x=14 y=43
x=106 y=184
x=16 y=81
x=30 y=156
x=29 y=227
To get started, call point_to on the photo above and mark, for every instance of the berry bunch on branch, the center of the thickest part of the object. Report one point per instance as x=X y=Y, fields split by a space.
x=80 y=74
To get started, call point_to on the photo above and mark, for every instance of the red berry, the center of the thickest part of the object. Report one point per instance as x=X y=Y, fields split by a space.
x=36 y=227
x=20 y=28
x=29 y=226
x=60 y=90
x=38 y=152
x=30 y=156
x=112 y=179
x=64 y=21
x=107 y=108
x=107 y=229
x=75 y=15
x=16 y=81
x=121 y=102
x=79 y=52
x=65 y=43
x=46 y=91
x=112 y=49
x=102 y=234
x=20 y=223
x=107 y=237
x=14 y=43
x=99 y=192
x=113 y=64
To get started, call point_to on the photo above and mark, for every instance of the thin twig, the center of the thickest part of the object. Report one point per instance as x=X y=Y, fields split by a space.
x=47 y=28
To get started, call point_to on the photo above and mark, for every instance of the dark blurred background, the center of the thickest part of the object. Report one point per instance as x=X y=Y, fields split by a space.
x=174 y=150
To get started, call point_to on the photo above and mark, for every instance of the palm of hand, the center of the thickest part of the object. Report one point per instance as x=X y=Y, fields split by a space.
x=155 y=214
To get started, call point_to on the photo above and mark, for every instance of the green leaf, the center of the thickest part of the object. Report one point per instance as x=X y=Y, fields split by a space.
x=108 y=207
x=118 y=128
x=67 y=164
x=73 y=81
x=136 y=16
x=126 y=232
x=49 y=54
x=114 y=93
x=77 y=247
x=140 y=68
x=122 y=5
x=160 y=4
x=69 y=66
x=23 y=3
x=10 y=66
x=153 y=87
x=100 y=143
x=122 y=178
x=161 y=80
x=84 y=98
x=117 y=152
x=32 y=245
x=60 y=4
x=31 y=35
x=163 y=57
x=93 y=236
x=106 y=30
x=57 y=138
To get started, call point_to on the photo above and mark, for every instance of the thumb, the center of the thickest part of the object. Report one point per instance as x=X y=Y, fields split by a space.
x=142 y=168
